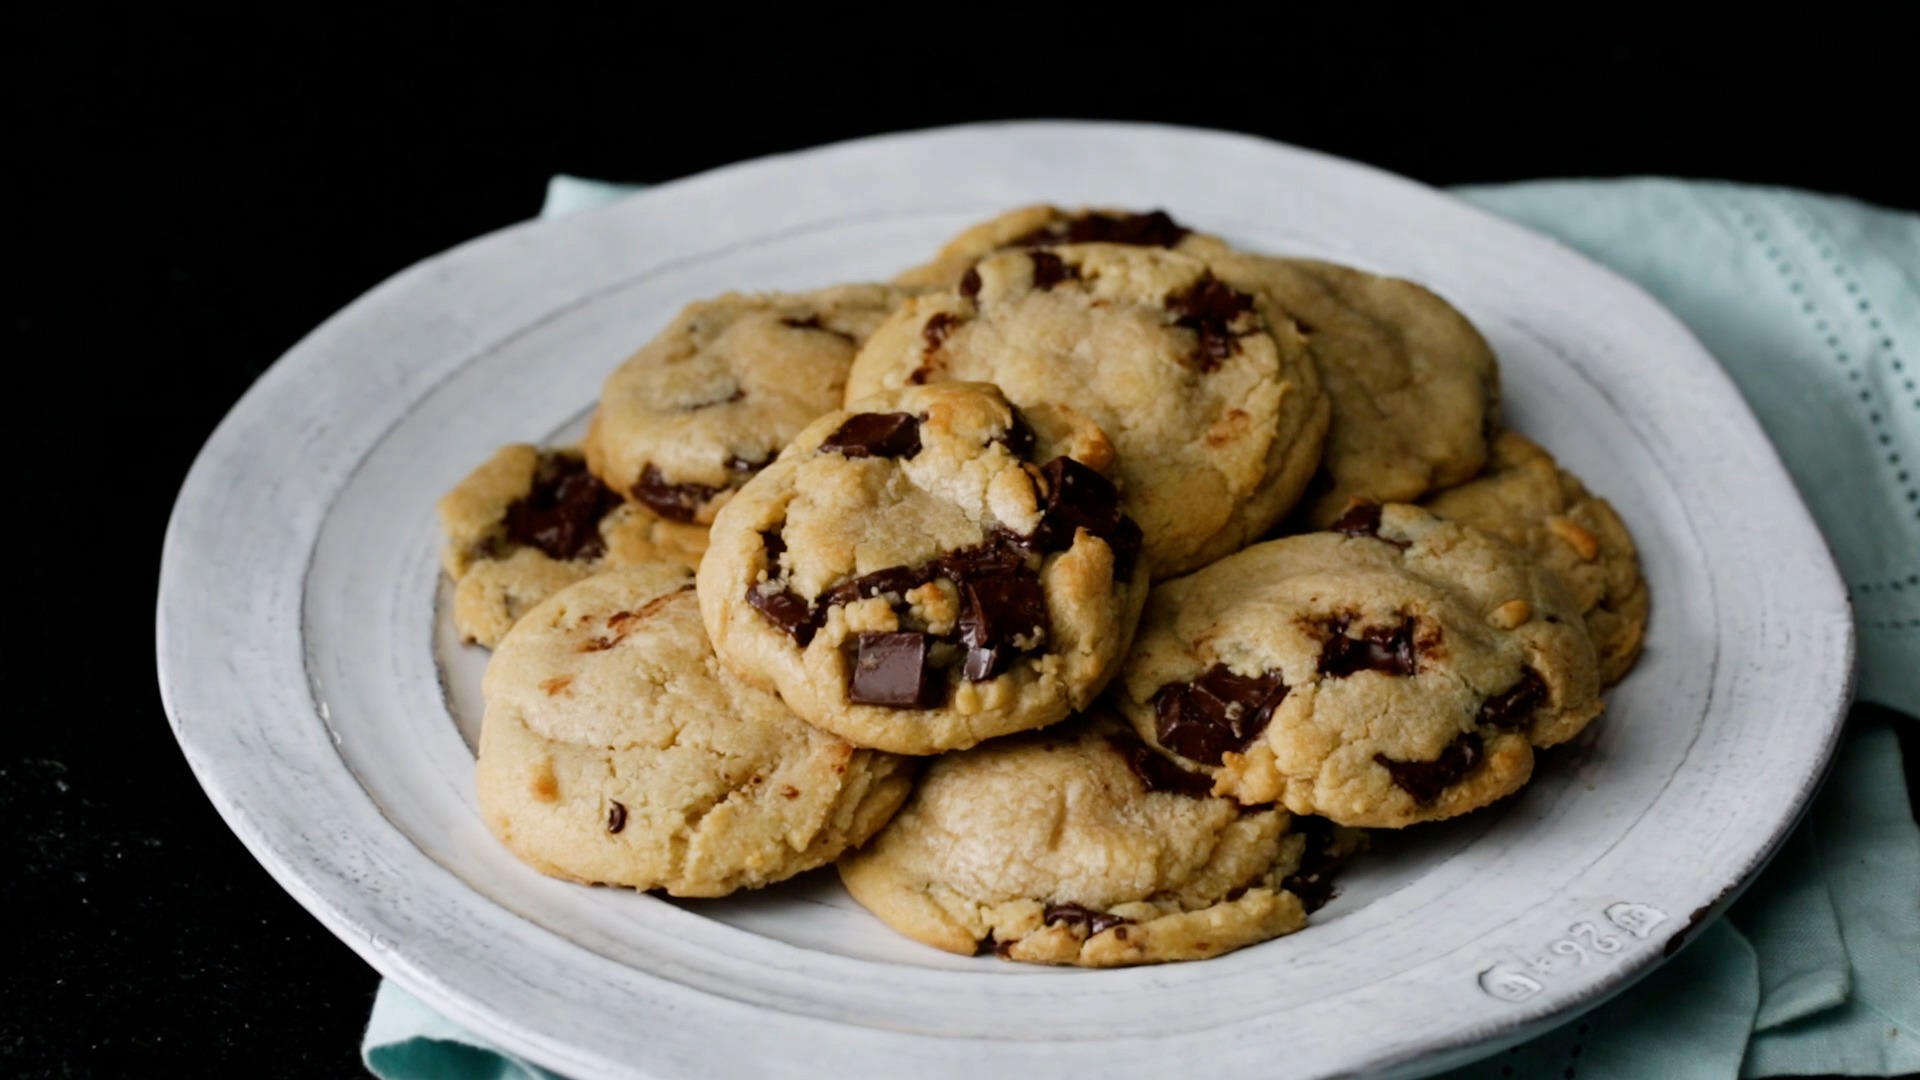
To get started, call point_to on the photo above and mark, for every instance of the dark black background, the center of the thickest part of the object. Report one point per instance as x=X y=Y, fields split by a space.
x=189 y=193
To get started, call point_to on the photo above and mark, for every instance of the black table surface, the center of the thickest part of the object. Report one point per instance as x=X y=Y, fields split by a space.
x=192 y=192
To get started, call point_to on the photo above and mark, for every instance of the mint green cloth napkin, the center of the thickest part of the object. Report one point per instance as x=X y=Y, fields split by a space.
x=1813 y=305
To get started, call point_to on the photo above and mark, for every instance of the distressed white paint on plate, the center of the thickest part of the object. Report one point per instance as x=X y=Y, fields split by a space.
x=321 y=699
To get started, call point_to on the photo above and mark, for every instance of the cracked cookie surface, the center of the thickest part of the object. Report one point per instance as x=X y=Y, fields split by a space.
x=1213 y=406
x=1078 y=845
x=616 y=750
x=1050 y=226
x=1415 y=389
x=1396 y=669
x=1529 y=501
x=927 y=569
x=712 y=398
x=528 y=522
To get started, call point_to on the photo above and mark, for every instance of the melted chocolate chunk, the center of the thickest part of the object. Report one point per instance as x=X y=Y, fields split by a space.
x=616 y=816
x=898 y=580
x=1425 y=780
x=785 y=609
x=561 y=514
x=1513 y=708
x=1125 y=542
x=891 y=670
x=812 y=322
x=1210 y=309
x=994 y=611
x=1312 y=880
x=1018 y=438
x=1002 y=552
x=1077 y=498
x=1386 y=649
x=882 y=435
x=1096 y=922
x=970 y=283
x=1363 y=519
x=1050 y=270
x=1218 y=713
x=1152 y=229
x=677 y=501
x=1157 y=772
x=938 y=328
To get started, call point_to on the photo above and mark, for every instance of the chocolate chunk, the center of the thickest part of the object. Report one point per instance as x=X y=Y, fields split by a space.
x=1001 y=552
x=616 y=816
x=677 y=501
x=891 y=670
x=994 y=611
x=812 y=322
x=1125 y=542
x=883 y=435
x=1003 y=949
x=1363 y=519
x=938 y=328
x=898 y=580
x=561 y=514
x=1157 y=772
x=1209 y=309
x=1312 y=880
x=1152 y=229
x=1077 y=498
x=1050 y=270
x=1425 y=780
x=1018 y=438
x=970 y=283
x=1513 y=708
x=1218 y=713
x=1096 y=922
x=785 y=609
x=1387 y=650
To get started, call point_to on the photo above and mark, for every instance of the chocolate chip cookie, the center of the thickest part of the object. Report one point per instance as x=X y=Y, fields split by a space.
x=616 y=750
x=529 y=522
x=1081 y=845
x=1527 y=500
x=929 y=568
x=1397 y=668
x=1206 y=390
x=703 y=406
x=1414 y=387
x=1050 y=226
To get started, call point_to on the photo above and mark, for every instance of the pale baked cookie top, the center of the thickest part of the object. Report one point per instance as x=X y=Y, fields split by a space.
x=1398 y=669
x=1415 y=388
x=1527 y=500
x=711 y=399
x=528 y=522
x=927 y=569
x=1051 y=226
x=1206 y=391
x=616 y=750
x=1081 y=845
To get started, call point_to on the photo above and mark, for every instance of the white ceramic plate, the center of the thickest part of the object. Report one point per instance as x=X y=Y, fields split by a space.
x=319 y=696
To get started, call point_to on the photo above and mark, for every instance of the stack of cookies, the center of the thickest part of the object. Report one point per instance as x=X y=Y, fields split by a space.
x=1082 y=594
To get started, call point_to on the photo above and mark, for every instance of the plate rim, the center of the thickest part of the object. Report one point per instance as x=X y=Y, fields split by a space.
x=286 y=868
